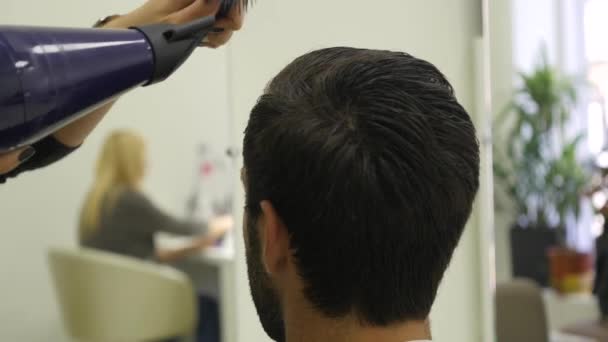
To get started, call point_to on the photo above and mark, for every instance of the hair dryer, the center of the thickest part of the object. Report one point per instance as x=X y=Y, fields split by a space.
x=50 y=77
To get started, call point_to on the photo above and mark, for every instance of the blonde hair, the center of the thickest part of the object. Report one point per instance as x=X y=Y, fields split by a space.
x=119 y=167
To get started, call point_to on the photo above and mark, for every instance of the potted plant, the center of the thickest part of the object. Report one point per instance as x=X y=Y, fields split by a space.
x=539 y=172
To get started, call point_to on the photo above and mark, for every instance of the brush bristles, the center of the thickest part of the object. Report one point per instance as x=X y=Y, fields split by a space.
x=227 y=5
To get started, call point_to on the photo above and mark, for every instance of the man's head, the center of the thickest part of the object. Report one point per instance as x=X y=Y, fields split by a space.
x=360 y=172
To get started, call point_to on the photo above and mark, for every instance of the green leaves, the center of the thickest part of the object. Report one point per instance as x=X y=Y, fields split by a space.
x=537 y=166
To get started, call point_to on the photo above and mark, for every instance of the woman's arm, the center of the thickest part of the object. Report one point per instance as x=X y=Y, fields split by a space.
x=153 y=11
x=136 y=211
x=140 y=213
x=68 y=138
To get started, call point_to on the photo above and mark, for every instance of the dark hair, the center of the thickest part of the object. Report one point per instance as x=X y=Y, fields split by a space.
x=373 y=166
x=227 y=5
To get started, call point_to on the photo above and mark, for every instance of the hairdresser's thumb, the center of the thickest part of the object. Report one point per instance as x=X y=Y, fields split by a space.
x=9 y=161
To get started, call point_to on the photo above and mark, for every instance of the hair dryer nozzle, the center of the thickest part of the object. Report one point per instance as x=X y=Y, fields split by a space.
x=172 y=45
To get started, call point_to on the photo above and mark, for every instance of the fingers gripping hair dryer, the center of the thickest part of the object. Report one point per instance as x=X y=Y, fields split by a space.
x=50 y=77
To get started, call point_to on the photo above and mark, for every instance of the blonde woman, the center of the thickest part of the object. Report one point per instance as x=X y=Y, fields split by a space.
x=117 y=217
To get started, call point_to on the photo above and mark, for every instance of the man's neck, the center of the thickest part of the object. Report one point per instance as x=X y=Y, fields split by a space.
x=305 y=326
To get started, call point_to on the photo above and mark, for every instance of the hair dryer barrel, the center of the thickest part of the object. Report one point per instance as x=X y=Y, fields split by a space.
x=51 y=76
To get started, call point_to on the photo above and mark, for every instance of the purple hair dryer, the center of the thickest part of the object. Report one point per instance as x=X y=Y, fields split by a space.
x=50 y=77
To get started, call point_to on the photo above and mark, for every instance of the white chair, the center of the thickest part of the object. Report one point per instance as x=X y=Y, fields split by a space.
x=105 y=297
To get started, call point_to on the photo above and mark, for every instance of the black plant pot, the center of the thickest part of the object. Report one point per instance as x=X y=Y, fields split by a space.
x=529 y=247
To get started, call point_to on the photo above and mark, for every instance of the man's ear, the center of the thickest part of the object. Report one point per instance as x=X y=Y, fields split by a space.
x=274 y=238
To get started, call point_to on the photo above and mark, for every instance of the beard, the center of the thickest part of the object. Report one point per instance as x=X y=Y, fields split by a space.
x=265 y=296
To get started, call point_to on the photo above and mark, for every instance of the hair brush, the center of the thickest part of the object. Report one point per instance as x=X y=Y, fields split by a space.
x=227 y=5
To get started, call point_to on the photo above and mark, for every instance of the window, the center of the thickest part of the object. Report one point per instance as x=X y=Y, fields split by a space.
x=596 y=51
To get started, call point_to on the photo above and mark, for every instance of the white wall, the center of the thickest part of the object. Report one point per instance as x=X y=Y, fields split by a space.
x=441 y=31
x=39 y=209
x=534 y=23
x=502 y=69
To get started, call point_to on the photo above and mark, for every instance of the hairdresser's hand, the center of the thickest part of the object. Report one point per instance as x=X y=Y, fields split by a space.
x=153 y=11
x=9 y=161
x=183 y=11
